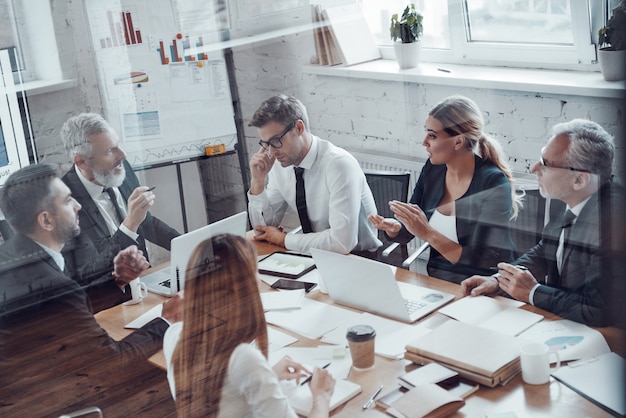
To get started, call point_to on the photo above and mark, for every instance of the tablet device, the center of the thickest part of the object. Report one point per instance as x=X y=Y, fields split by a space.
x=288 y=265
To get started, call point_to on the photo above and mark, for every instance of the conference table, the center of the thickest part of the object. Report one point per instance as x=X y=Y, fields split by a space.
x=552 y=399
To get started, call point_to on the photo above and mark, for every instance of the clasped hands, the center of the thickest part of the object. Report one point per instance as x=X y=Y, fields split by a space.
x=515 y=281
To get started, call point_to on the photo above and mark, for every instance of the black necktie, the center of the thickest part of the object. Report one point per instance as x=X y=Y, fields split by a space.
x=566 y=224
x=118 y=211
x=301 y=201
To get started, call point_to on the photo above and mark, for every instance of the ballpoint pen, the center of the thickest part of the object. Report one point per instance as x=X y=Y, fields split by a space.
x=370 y=401
x=305 y=381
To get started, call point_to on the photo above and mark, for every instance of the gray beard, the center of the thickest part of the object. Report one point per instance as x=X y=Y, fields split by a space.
x=109 y=179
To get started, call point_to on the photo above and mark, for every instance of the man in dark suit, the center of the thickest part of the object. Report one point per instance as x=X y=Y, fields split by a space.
x=115 y=207
x=48 y=334
x=570 y=272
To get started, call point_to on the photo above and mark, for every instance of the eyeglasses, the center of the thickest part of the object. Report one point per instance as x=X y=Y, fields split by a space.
x=277 y=141
x=545 y=164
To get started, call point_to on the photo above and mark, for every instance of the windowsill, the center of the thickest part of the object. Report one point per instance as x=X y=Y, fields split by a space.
x=45 y=86
x=575 y=83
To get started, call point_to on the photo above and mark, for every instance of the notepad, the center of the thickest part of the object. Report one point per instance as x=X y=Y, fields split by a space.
x=599 y=379
x=301 y=399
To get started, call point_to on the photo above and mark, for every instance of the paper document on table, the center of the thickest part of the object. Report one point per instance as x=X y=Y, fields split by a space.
x=391 y=336
x=277 y=339
x=283 y=299
x=573 y=341
x=491 y=313
x=313 y=320
x=146 y=317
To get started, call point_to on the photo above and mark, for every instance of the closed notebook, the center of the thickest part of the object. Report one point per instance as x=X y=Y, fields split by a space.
x=429 y=401
x=478 y=354
x=301 y=400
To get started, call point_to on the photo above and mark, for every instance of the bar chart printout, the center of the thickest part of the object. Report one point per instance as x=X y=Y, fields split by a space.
x=120 y=29
x=174 y=51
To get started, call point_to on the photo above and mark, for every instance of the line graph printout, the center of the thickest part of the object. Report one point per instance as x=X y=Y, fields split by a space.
x=167 y=105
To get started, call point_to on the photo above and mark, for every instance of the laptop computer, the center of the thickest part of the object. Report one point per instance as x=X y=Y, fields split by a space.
x=371 y=286
x=169 y=281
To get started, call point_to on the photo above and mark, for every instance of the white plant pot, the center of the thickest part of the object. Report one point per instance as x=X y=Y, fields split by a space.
x=407 y=54
x=612 y=64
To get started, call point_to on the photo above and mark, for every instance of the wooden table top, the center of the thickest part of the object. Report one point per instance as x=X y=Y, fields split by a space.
x=552 y=399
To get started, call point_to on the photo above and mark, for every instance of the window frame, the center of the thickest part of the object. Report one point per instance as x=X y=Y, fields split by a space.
x=586 y=17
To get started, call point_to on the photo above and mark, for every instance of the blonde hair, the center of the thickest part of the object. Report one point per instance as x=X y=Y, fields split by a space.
x=222 y=309
x=460 y=115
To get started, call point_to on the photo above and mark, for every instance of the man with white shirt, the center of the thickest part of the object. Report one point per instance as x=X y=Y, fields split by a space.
x=570 y=272
x=115 y=208
x=325 y=187
x=49 y=334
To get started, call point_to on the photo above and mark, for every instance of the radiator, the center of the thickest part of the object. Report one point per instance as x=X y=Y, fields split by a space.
x=388 y=162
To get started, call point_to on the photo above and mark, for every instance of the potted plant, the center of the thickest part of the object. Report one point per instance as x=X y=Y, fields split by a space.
x=408 y=30
x=612 y=45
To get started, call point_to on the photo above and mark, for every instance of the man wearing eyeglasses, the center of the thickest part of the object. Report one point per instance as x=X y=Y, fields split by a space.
x=325 y=187
x=571 y=271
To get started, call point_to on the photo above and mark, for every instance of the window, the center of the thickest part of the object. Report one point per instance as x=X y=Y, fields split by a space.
x=27 y=32
x=529 y=33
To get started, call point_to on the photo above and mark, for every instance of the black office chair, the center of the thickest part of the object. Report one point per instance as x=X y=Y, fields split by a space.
x=386 y=186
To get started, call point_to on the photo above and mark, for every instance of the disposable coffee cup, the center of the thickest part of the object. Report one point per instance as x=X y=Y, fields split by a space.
x=361 y=340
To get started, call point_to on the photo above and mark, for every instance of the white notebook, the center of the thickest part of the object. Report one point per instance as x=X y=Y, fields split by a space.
x=301 y=400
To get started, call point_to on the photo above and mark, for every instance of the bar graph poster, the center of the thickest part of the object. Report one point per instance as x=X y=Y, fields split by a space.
x=166 y=97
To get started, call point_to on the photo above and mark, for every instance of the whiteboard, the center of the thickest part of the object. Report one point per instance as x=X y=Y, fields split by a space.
x=165 y=105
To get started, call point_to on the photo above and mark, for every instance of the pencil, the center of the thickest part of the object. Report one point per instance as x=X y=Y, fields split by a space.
x=305 y=381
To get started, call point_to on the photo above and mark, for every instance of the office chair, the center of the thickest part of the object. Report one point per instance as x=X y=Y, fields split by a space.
x=386 y=186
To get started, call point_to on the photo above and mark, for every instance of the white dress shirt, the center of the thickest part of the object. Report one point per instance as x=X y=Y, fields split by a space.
x=251 y=388
x=107 y=210
x=338 y=201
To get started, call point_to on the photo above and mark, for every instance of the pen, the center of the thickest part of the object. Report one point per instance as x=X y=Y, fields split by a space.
x=151 y=189
x=443 y=70
x=370 y=401
x=305 y=381
x=519 y=267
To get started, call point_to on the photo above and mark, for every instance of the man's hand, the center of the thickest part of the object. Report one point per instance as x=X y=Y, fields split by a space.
x=479 y=285
x=173 y=308
x=516 y=281
x=139 y=203
x=272 y=234
x=128 y=264
x=389 y=225
x=260 y=165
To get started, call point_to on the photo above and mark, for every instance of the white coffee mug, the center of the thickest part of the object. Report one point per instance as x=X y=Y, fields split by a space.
x=138 y=291
x=535 y=360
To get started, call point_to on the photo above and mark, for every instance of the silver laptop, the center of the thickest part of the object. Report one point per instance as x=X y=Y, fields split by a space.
x=170 y=280
x=371 y=286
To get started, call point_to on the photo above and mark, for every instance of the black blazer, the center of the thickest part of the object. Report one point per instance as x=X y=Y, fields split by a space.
x=583 y=289
x=92 y=223
x=482 y=220
x=47 y=328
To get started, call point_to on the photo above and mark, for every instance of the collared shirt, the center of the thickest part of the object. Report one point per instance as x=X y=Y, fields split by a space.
x=559 y=251
x=107 y=210
x=338 y=201
x=56 y=256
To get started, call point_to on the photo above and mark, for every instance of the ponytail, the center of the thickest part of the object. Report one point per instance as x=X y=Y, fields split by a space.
x=491 y=150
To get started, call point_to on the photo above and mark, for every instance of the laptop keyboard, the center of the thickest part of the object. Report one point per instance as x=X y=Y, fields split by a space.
x=413 y=305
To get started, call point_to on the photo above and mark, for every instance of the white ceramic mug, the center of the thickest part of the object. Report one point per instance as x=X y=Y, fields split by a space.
x=535 y=360
x=138 y=291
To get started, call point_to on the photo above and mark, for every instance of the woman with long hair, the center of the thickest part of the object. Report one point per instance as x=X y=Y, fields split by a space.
x=217 y=357
x=464 y=198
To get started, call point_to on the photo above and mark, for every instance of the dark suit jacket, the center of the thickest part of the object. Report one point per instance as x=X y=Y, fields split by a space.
x=47 y=329
x=482 y=220
x=94 y=227
x=581 y=292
